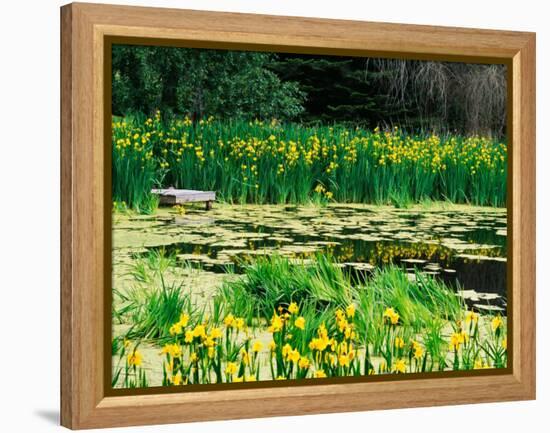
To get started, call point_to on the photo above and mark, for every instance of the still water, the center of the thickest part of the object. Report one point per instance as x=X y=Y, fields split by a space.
x=465 y=246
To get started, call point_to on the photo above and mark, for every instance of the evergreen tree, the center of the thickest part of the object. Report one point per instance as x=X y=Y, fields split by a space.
x=337 y=88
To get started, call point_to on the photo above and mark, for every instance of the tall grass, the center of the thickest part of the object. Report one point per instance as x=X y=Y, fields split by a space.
x=423 y=306
x=258 y=162
x=134 y=169
x=153 y=304
x=275 y=280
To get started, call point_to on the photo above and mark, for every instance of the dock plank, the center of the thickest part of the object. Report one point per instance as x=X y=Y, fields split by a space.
x=172 y=196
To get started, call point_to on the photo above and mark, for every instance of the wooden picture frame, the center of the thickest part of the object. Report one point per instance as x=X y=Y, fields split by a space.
x=87 y=30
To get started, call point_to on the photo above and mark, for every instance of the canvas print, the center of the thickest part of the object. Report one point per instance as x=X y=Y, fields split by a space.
x=293 y=217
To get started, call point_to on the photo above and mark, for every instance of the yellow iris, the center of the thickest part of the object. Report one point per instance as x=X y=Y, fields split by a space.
x=300 y=323
x=135 y=359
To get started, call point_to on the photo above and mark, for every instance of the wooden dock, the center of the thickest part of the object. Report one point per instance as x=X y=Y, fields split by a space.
x=172 y=196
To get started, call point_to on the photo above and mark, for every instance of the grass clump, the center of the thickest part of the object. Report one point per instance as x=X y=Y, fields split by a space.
x=275 y=280
x=153 y=305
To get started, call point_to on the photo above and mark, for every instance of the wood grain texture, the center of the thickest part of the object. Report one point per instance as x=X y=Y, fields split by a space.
x=525 y=239
x=85 y=27
x=67 y=394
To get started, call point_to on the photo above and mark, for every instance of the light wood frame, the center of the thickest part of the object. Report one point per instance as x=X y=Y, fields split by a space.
x=84 y=29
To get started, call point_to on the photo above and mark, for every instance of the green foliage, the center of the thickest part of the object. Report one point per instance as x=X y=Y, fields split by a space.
x=131 y=374
x=275 y=280
x=418 y=302
x=160 y=310
x=339 y=89
x=201 y=83
x=154 y=304
x=273 y=162
x=134 y=170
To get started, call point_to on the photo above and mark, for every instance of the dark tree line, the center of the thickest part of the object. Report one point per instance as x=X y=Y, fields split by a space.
x=337 y=88
x=439 y=96
x=468 y=98
x=201 y=83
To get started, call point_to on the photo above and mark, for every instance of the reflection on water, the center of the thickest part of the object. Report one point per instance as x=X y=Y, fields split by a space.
x=468 y=247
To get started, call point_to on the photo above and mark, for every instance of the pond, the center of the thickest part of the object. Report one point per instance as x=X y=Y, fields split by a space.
x=460 y=244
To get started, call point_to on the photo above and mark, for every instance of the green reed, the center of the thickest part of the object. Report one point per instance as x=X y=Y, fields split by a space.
x=268 y=162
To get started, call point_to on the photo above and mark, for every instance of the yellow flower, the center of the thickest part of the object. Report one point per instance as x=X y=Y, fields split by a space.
x=320 y=373
x=303 y=363
x=293 y=308
x=229 y=320
x=479 y=364
x=251 y=378
x=418 y=352
x=175 y=329
x=504 y=343
x=319 y=189
x=272 y=346
x=319 y=344
x=348 y=333
x=188 y=336
x=456 y=340
x=238 y=379
x=184 y=320
x=343 y=360
x=239 y=323
x=471 y=317
x=194 y=357
x=199 y=331
x=290 y=354
x=134 y=359
x=400 y=366
x=391 y=315
x=399 y=343
x=276 y=324
x=174 y=350
x=245 y=357
x=287 y=348
x=215 y=333
x=350 y=310
x=257 y=346
x=178 y=208
x=211 y=352
x=176 y=380
x=231 y=368
x=294 y=356
x=496 y=323
x=300 y=323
